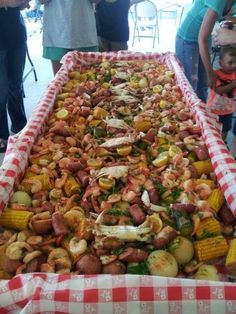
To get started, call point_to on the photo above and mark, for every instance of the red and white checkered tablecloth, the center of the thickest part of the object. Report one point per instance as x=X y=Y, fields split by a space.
x=106 y=294
x=51 y=293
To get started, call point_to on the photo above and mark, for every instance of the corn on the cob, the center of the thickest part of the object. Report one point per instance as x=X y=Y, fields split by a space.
x=230 y=262
x=208 y=227
x=71 y=186
x=15 y=219
x=210 y=248
x=203 y=167
x=216 y=199
x=209 y=182
x=44 y=179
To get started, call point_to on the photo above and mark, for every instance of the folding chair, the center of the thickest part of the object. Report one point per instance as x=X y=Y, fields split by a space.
x=32 y=69
x=145 y=20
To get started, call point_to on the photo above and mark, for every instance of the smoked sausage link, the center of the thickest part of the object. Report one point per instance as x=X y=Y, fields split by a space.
x=59 y=224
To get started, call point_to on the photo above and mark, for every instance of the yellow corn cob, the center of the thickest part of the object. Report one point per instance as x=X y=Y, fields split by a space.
x=209 y=227
x=209 y=182
x=15 y=219
x=71 y=186
x=44 y=178
x=230 y=262
x=210 y=248
x=216 y=199
x=203 y=167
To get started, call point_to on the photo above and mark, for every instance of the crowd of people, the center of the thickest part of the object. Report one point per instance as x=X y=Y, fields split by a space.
x=102 y=25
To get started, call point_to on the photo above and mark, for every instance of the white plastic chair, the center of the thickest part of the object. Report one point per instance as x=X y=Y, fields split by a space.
x=145 y=20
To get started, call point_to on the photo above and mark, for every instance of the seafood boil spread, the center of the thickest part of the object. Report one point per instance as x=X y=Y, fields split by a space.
x=119 y=182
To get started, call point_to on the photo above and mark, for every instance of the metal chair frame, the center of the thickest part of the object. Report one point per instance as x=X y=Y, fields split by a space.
x=138 y=24
x=32 y=69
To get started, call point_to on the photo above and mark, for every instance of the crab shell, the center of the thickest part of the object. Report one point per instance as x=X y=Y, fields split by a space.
x=121 y=141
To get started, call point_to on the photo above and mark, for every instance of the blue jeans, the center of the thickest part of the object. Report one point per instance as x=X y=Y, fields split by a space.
x=12 y=63
x=189 y=56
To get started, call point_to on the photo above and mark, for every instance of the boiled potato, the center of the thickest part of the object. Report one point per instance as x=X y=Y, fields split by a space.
x=162 y=263
x=21 y=198
x=207 y=272
x=182 y=250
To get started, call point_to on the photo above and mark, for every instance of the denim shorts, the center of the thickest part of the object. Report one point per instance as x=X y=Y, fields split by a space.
x=189 y=56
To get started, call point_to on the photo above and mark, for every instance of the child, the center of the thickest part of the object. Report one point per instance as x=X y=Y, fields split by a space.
x=221 y=100
x=193 y=40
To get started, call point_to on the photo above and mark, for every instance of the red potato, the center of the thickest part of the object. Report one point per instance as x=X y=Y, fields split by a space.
x=114 y=268
x=202 y=153
x=89 y=264
x=137 y=214
x=133 y=255
x=164 y=237
x=59 y=224
x=153 y=195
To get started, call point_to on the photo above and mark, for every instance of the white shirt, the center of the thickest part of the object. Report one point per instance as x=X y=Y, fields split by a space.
x=69 y=24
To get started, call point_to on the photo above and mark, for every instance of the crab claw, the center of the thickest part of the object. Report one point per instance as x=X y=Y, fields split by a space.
x=146 y=201
x=125 y=233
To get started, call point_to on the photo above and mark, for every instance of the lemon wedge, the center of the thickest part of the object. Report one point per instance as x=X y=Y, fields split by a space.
x=62 y=114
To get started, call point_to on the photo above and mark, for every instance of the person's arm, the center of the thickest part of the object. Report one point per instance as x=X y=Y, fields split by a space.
x=225 y=37
x=203 y=38
x=226 y=88
x=11 y=3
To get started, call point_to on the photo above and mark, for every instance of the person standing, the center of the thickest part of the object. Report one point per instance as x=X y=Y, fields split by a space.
x=12 y=62
x=193 y=42
x=112 y=24
x=221 y=100
x=67 y=25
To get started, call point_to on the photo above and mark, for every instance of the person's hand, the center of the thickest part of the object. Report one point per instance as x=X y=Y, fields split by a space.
x=211 y=76
x=225 y=37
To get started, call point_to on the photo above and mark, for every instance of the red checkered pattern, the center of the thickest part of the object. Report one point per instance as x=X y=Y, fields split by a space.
x=51 y=293
x=123 y=294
